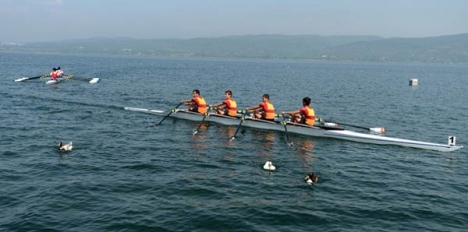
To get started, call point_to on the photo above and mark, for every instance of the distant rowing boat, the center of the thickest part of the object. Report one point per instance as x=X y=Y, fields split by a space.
x=60 y=79
x=317 y=131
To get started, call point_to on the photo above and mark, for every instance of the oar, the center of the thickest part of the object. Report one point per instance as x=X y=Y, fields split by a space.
x=173 y=110
x=92 y=80
x=239 y=126
x=203 y=120
x=286 y=131
x=380 y=130
x=30 y=78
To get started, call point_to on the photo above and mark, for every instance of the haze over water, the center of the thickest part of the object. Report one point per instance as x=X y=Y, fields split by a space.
x=122 y=175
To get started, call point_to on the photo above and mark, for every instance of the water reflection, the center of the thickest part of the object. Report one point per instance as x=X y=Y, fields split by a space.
x=225 y=134
x=305 y=155
x=199 y=142
x=63 y=156
x=264 y=142
x=227 y=131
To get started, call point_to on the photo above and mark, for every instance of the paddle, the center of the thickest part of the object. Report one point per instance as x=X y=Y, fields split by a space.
x=92 y=80
x=286 y=131
x=173 y=110
x=203 y=120
x=239 y=126
x=30 y=78
x=380 y=130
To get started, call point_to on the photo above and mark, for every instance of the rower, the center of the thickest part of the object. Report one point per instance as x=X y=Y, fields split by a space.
x=305 y=115
x=227 y=107
x=59 y=72
x=265 y=110
x=54 y=73
x=197 y=103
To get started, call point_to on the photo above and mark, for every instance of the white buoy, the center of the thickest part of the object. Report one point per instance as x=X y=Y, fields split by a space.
x=413 y=82
x=269 y=166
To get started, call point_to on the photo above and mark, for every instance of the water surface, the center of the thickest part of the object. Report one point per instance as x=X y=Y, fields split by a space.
x=124 y=176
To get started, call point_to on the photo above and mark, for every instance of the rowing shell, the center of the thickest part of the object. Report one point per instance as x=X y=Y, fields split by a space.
x=91 y=80
x=56 y=81
x=316 y=131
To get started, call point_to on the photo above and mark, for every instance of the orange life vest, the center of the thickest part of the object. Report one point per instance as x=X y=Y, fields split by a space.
x=269 y=110
x=201 y=104
x=232 y=107
x=53 y=74
x=309 y=115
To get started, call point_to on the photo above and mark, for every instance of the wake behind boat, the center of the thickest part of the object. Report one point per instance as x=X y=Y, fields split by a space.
x=316 y=131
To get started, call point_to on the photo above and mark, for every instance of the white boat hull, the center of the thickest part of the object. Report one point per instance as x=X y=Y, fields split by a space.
x=52 y=81
x=317 y=131
x=93 y=80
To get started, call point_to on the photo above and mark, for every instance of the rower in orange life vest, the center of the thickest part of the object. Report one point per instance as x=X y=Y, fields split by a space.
x=54 y=74
x=265 y=110
x=227 y=107
x=197 y=103
x=305 y=115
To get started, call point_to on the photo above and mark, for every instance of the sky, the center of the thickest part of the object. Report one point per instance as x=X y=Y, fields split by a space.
x=55 y=20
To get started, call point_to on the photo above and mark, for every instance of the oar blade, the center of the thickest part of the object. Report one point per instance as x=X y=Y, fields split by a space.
x=242 y=119
x=94 y=80
x=379 y=130
x=201 y=123
x=21 y=79
x=28 y=78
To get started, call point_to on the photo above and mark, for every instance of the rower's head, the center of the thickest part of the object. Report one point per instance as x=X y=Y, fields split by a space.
x=196 y=92
x=306 y=101
x=54 y=69
x=266 y=97
x=58 y=68
x=228 y=94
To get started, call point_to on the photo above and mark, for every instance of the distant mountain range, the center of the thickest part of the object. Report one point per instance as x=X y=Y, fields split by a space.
x=441 y=49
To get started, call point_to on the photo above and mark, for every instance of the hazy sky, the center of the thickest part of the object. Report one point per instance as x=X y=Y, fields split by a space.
x=46 y=20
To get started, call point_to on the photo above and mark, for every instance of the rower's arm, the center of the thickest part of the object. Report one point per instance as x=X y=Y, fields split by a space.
x=253 y=108
x=186 y=101
x=216 y=105
x=290 y=112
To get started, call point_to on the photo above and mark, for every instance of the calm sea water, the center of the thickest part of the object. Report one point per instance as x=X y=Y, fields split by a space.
x=122 y=176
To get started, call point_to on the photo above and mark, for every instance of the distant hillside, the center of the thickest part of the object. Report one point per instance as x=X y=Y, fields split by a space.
x=443 y=49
